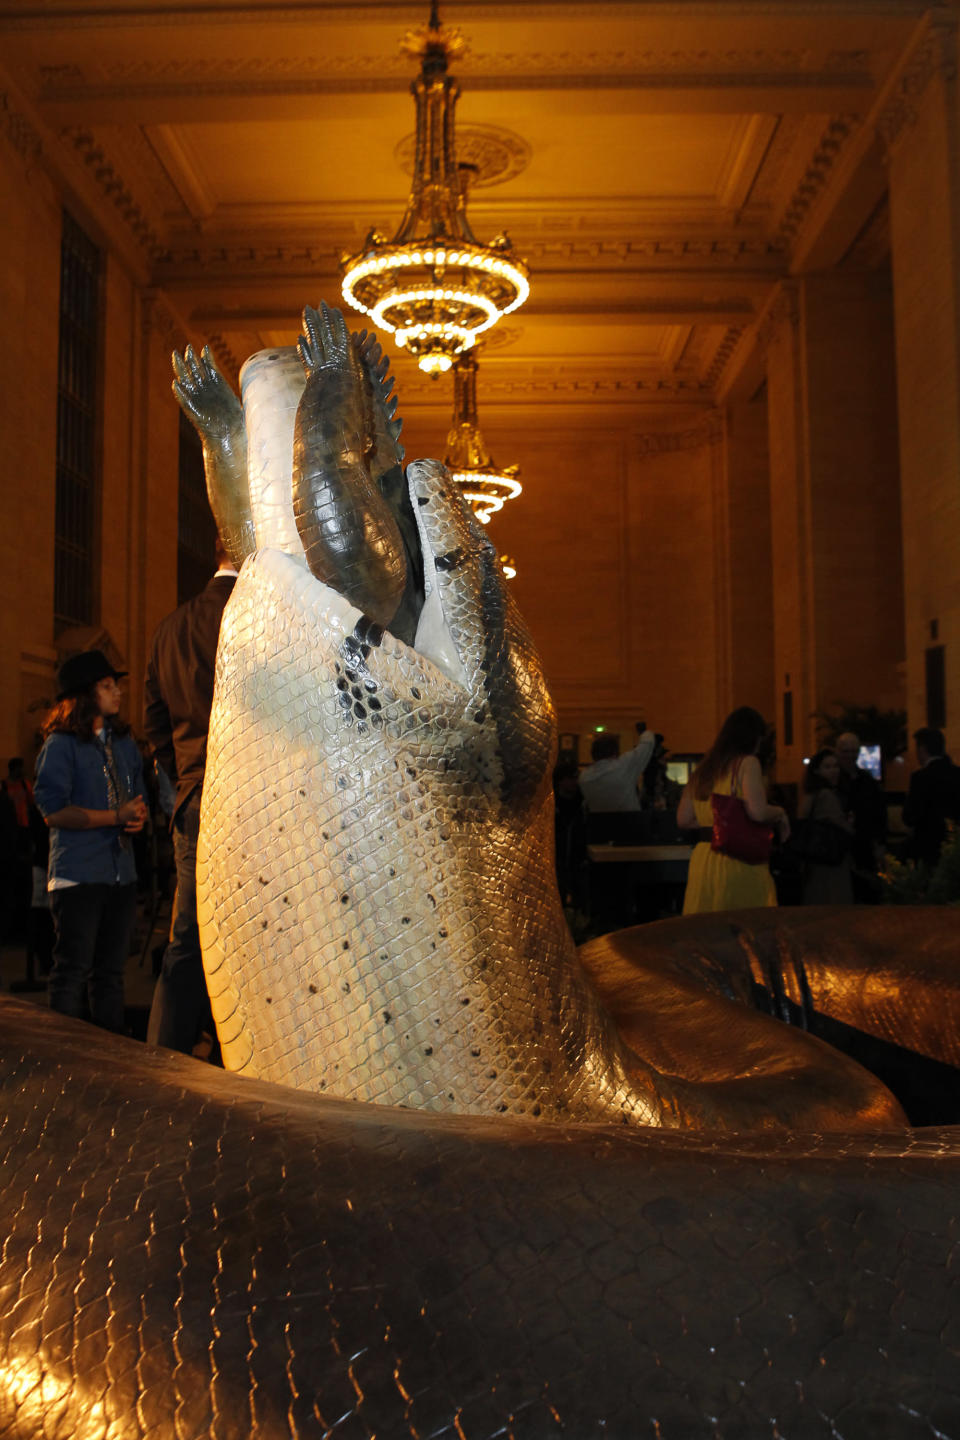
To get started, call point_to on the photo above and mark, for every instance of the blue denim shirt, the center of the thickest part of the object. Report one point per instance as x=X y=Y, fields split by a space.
x=73 y=772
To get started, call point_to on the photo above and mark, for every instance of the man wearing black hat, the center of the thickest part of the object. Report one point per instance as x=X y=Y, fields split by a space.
x=179 y=694
x=90 y=791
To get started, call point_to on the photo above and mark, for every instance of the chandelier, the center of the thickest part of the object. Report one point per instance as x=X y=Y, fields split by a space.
x=483 y=483
x=433 y=285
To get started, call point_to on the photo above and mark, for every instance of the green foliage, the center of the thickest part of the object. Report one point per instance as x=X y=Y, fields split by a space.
x=907 y=883
x=886 y=728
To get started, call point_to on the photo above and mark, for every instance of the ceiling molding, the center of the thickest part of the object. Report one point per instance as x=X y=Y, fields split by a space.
x=934 y=52
x=199 y=72
x=724 y=352
x=277 y=246
x=183 y=169
x=114 y=188
x=41 y=15
x=520 y=389
x=158 y=318
x=19 y=132
x=707 y=431
x=782 y=310
x=227 y=362
x=815 y=179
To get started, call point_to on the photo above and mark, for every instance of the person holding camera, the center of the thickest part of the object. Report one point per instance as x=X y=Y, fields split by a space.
x=610 y=786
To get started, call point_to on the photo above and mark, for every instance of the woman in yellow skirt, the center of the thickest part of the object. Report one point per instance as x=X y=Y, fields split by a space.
x=730 y=767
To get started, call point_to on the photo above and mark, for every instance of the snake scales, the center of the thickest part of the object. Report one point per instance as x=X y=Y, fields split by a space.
x=190 y=1254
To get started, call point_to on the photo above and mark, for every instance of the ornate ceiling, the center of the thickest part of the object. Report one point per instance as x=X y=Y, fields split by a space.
x=660 y=164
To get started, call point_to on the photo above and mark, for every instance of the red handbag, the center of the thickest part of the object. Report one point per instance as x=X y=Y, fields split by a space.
x=734 y=833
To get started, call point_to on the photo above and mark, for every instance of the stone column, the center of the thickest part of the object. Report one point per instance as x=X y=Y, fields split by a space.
x=921 y=129
x=835 y=541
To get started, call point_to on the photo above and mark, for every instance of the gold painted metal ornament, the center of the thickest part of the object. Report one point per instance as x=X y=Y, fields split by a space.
x=470 y=463
x=434 y=286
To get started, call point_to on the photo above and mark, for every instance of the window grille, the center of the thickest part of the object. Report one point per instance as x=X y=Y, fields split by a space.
x=196 y=532
x=78 y=432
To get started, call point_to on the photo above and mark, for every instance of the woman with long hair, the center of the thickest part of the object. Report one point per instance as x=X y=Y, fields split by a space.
x=823 y=883
x=89 y=789
x=717 y=881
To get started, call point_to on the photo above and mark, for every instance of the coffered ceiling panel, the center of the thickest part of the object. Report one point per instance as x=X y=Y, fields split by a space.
x=349 y=158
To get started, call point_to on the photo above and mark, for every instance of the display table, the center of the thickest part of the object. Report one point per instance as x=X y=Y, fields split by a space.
x=647 y=883
x=639 y=854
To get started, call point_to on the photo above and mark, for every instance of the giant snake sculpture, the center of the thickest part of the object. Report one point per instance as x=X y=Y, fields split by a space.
x=616 y=1201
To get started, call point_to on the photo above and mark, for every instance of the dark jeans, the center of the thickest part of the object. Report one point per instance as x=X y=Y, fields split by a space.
x=93 y=925
x=181 y=1011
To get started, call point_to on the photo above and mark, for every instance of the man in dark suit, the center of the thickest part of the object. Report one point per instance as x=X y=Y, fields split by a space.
x=179 y=693
x=933 y=797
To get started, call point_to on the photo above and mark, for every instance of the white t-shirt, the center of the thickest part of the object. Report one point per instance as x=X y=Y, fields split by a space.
x=610 y=785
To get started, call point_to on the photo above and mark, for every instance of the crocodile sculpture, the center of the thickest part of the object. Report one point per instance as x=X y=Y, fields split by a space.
x=599 y=1197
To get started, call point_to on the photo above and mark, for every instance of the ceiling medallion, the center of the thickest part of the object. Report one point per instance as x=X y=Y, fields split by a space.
x=483 y=483
x=502 y=337
x=434 y=286
x=490 y=154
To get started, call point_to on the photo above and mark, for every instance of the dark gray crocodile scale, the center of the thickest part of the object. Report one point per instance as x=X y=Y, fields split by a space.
x=193 y=1254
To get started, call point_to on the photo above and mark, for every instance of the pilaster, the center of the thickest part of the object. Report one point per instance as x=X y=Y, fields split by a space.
x=29 y=304
x=743 y=512
x=152 y=580
x=920 y=126
x=834 y=509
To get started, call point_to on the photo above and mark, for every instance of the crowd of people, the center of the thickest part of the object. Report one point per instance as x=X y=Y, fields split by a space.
x=747 y=850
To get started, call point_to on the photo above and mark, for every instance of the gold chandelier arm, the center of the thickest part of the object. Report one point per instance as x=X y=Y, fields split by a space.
x=350 y=536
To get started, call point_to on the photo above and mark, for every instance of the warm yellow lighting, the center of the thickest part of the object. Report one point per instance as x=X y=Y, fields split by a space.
x=48 y=1399
x=508 y=565
x=484 y=484
x=488 y=489
x=434 y=364
x=434 y=286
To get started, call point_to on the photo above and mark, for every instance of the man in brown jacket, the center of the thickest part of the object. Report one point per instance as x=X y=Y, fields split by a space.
x=179 y=693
